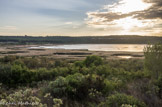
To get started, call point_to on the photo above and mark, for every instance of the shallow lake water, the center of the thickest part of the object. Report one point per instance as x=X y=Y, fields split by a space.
x=98 y=47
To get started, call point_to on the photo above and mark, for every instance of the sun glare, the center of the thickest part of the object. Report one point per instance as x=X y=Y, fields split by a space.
x=127 y=6
x=129 y=22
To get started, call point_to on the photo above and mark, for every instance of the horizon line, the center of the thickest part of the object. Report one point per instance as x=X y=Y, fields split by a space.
x=78 y=36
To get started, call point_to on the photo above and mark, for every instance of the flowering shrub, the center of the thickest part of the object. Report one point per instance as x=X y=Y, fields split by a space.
x=21 y=98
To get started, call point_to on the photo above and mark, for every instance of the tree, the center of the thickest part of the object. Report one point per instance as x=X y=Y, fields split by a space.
x=153 y=59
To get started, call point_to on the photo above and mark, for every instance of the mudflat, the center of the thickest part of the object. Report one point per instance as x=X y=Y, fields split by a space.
x=72 y=54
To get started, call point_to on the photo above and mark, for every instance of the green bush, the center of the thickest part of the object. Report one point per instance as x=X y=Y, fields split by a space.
x=93 y=60
x=77 y=87
x=103 y=70
x=43 y=74
x=58 y=87
x=79 y=64
x=153 y=59
x=75 y=80
x=159 y=84
x=110 y=86
x=15 y=75
x=60 y=71
x=118 y=100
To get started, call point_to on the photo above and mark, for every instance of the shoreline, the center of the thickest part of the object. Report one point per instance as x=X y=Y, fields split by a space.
x=73 y=54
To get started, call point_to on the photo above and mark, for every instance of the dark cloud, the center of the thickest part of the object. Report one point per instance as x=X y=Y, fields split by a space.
x=109 y=16
x=151 y=13
x=156 y=2
x=154 y=12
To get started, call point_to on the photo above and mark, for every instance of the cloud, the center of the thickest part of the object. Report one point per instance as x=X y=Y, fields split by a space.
x=128 y=15
x=68 y=23
x=8 y=28
x=154 y=12
x=118 y=11
x=107 y=16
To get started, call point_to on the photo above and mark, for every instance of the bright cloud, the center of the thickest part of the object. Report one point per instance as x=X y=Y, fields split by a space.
x=129 y=16
x=127 y=6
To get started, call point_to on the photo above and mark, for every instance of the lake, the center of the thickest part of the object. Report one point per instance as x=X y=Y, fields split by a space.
x=98 y=47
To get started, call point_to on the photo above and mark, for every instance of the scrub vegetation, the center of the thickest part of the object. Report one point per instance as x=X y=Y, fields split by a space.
x=92 y=82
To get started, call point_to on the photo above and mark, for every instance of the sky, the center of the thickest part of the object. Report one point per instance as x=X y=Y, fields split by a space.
x=81 y=17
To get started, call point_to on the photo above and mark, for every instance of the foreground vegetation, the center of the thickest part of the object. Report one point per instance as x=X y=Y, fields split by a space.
x=93 y=82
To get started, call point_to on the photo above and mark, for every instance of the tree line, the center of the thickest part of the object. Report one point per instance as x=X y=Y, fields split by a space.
x=80 y=40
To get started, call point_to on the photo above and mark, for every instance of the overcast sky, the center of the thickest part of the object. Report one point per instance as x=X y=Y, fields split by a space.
x=80 y=17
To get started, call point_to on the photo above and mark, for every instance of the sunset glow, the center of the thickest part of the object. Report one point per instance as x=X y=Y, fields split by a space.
x=127 y=6
x=80 y=17
x=129 y=17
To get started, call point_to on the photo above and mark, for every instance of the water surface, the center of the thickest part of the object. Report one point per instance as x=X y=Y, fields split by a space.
x=98 y=47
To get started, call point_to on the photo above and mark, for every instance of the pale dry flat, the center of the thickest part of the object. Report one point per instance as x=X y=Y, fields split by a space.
x=25 y=50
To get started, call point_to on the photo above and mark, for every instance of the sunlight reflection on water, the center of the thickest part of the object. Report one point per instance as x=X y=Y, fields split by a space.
x=125 y=57
x=99 y=47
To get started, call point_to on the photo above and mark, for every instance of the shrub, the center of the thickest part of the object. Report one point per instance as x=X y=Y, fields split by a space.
x=57 y=102
x=153 y=59
x=127 y=105
x=103 y=70
x=60 y=71
x=159 y=84
x=118 y=100
x=77 y=87
x=15 y=75
x=9 y=59
x=79 y=64
x=22 y=98
x=43 y=74
x=109 y=87
x=75 y=80
x=93 y=60
x=58 y=87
